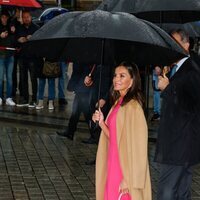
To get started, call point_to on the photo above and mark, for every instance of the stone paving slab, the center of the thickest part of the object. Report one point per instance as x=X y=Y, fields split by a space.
x=37 y=164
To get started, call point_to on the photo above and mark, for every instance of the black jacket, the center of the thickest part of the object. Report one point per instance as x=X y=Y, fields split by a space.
x=24 y=31
x=9 y=41
x=178 y=140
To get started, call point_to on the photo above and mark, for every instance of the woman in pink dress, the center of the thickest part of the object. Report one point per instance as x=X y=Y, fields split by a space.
x=122 y=159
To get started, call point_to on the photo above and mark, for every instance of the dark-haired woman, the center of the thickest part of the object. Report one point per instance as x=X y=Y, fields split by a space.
x=122 y=158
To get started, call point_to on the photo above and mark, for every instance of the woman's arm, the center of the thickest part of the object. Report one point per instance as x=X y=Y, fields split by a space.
x=104 y=128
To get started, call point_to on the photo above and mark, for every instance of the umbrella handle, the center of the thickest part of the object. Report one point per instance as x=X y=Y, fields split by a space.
x=90 y=74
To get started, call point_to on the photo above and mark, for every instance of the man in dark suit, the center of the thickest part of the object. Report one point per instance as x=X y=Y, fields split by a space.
x=178 y=143
x=84 y=82
x=27 y=62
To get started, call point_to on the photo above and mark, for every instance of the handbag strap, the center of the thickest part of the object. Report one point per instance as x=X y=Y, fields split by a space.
x=120 y=196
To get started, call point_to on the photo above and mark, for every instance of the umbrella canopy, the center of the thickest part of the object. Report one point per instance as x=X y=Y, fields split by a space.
x=21 y=3
x=158 y=11
x=118 y=6
x=103 y=37
x=192 y=28
x=168 y=11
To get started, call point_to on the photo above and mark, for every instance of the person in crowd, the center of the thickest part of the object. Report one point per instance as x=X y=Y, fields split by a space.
x=81 y=103
x=99 y=97
x=82 y=85
x=16 y=21
x=61 y=84
x=122 y=156
x=41 y=87
x=156 y=94
x=6 y=57
x=26 y=62
x=177 y=148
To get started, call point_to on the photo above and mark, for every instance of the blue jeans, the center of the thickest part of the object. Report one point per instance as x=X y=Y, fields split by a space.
x=6 y=67
x=51 y=88
x=156 y=102
x=61 y=81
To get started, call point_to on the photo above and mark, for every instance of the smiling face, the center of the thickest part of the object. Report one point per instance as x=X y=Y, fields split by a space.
x=122 y=80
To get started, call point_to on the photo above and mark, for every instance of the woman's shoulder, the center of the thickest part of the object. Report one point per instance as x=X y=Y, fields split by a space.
x=133 y=104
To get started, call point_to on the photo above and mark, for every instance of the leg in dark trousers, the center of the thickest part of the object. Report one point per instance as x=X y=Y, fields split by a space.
x=33 y=76
x=74 y=118
x=174 y=182
x=23 y=70
x=80 y=105
x=14 y=76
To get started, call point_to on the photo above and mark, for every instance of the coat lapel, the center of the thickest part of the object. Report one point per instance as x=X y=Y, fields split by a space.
x=182 y=69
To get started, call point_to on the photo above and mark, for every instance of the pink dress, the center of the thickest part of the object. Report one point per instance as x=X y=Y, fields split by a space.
x=114 y=173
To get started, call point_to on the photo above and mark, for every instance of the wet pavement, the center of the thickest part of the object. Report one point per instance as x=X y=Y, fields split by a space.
x=36 y=164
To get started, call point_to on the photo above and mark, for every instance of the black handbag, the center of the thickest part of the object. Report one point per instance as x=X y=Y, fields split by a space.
x=51 y=69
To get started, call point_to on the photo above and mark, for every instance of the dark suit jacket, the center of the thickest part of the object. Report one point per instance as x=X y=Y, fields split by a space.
x=178 y=140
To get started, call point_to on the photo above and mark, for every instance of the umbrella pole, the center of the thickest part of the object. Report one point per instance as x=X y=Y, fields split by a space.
x=100 y=77
x=100 y=70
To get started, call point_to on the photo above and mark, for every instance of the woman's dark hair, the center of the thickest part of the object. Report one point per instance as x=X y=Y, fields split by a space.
x=134 y=91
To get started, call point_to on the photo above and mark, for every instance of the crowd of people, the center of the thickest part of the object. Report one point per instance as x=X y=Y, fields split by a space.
x=15 y=31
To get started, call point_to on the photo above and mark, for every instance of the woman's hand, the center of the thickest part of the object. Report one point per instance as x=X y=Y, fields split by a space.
x=123 y=188
x=98 y=117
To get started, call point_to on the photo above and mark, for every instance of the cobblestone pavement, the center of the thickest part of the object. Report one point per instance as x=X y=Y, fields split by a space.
x=36 y=164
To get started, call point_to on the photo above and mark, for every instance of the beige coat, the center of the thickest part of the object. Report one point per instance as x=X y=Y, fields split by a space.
x=132 y=139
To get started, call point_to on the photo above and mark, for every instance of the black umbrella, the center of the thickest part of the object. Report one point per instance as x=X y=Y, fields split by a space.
x=102 y=37
x=105 y=38
x=192 y=28
x=168 y=11
x=158 y=11
x=118 y=5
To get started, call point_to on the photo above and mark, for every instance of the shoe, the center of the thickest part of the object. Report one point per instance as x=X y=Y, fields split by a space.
x=22 y=103
x=65 y=134
x=90 y=162
x=1 y=101
x=62 y=101
x=51 y=106
x=10 y=102
x=40 y=105
x=155 y=117
x=32 y=104
x=89 y=141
